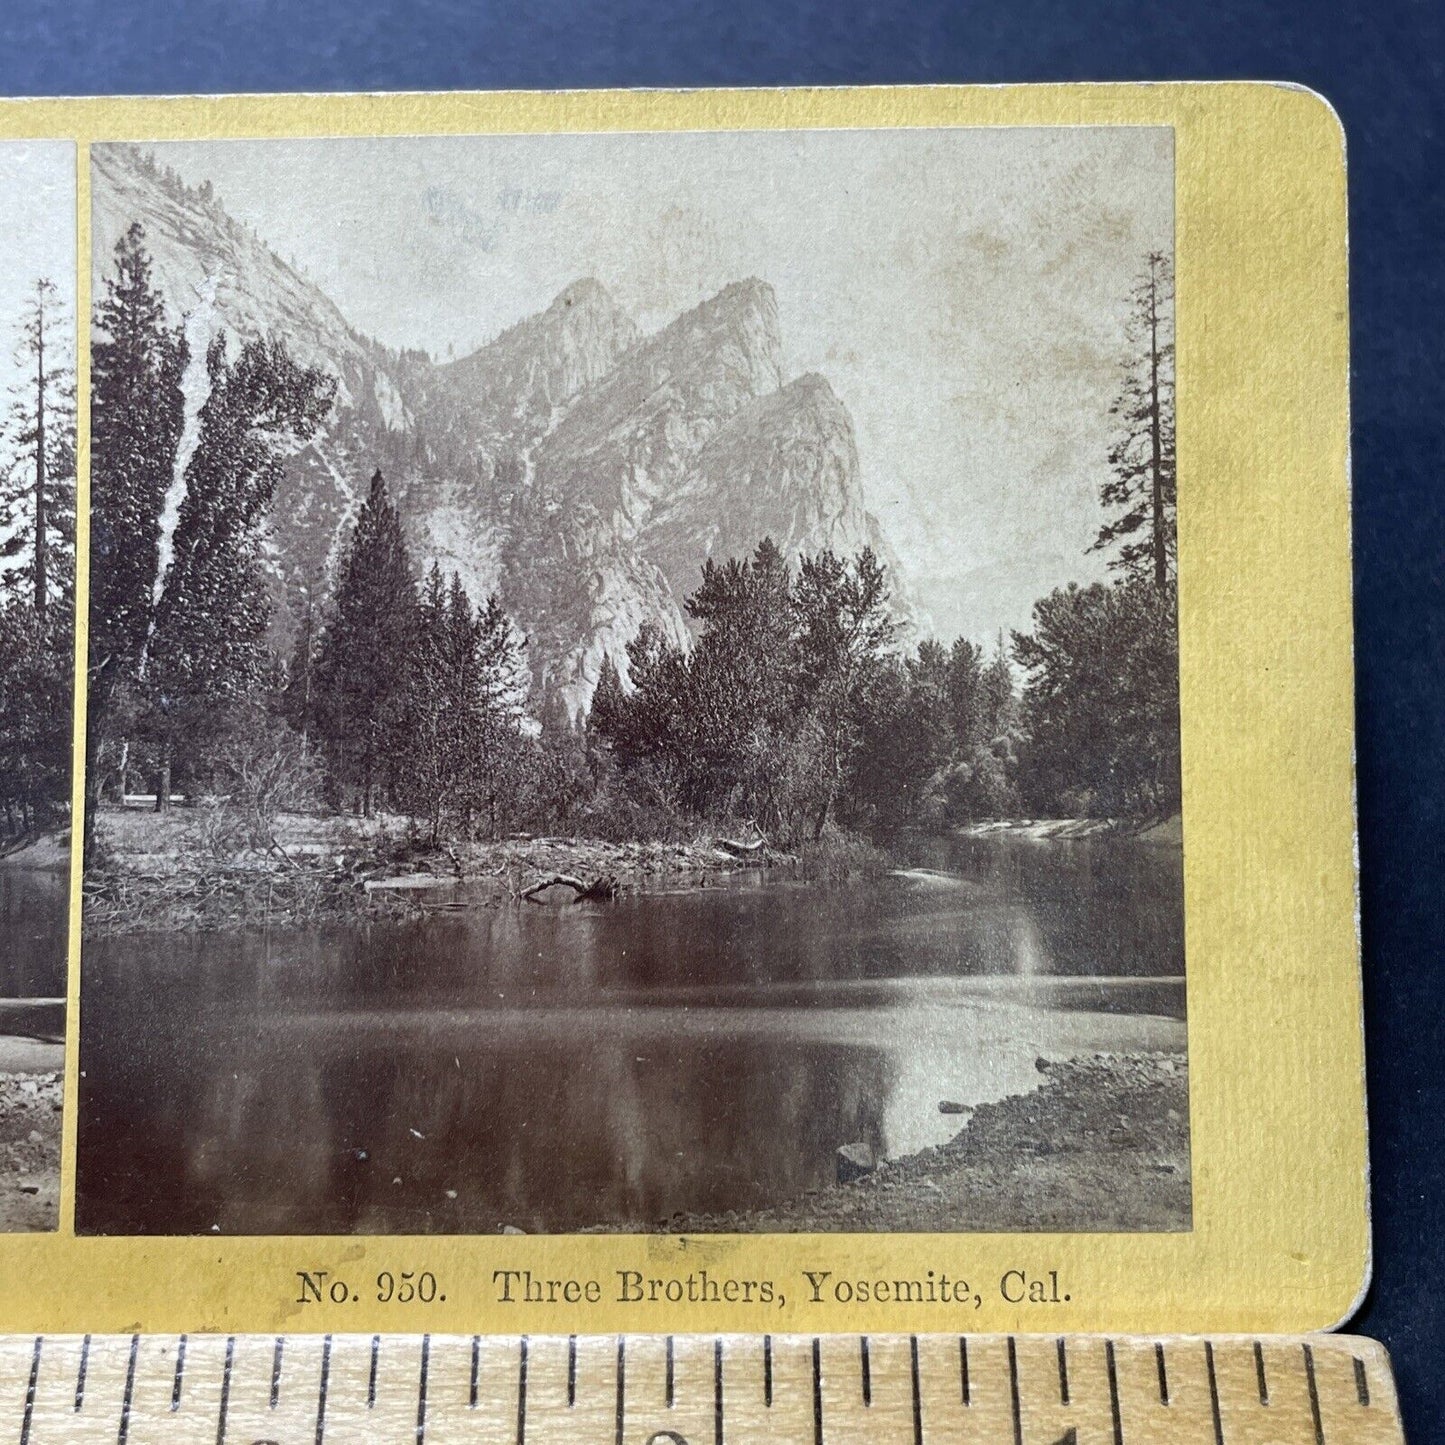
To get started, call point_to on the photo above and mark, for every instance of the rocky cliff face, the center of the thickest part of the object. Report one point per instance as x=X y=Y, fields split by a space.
x=629 y=441
x=519 y=387
x=583 y=472
x=219 y=277
x=784 y=466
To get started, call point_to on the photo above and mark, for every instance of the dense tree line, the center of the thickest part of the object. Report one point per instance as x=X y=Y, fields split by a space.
x=416 y=698
x=37 y=571
x=798 y=704
x=795 y=707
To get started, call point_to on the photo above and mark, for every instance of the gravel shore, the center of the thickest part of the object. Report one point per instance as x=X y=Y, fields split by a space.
x=1101 y=1145
x=29 y=1151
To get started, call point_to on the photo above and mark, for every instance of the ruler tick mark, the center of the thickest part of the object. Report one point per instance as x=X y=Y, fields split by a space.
x=1013 y=1383
x=30 y=1393
x=180 y=1374
x=1362 y=1383
x=1233 y=1368
x=321 y=1393
x=225 y=1389
x=522 y=1394
x=1213 y=1393
x=621 y=1383
x=817 y=1392
x=123 y=1433
x=276 y=1370
x=1114 y=1411
x=421 y=1393
x=1319 y=1424
x=80 y=1374
x=917 y=1395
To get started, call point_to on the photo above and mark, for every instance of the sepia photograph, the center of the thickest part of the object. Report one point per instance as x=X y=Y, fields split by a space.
x=633 y=686
x=37 y=665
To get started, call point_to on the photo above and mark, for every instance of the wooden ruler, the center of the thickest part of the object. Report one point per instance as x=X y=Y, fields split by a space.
x=694 y=1390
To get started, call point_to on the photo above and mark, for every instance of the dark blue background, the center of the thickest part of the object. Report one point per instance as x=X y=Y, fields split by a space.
x=1380 y=63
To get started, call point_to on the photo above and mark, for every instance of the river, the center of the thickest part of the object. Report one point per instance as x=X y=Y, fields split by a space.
x=34 y=907
x=551 y=1068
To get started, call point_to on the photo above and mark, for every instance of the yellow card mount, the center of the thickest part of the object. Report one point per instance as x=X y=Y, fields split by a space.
x=696 y=1390
x=1091 y=1016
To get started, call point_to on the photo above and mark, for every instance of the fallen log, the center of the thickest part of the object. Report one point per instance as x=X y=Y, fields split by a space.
x=601 y=889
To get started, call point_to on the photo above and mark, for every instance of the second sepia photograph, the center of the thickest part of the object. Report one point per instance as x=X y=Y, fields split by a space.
x=633 y=686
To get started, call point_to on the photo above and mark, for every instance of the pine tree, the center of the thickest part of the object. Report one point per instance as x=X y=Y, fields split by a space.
x=607 y=715
x=560 y=781
x=431 y=755
x=465 y=750
x=137 y=411
x=136 y=416
x=37 y=570
x=965 y=683
x=997 y=694
x=36 y=687
x=37 y=493
x=501 y=683
x=364 y=668
x=1141 y=491
x=653 y=737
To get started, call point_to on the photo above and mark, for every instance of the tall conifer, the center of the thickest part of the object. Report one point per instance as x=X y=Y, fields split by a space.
x=367 y=653
x=1140 y=492
x=137 y=411
x=501 y=683
x=37 y=487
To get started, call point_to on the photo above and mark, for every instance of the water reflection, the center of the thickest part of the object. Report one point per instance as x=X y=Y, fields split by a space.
x=34 y=905
x=553 y=1068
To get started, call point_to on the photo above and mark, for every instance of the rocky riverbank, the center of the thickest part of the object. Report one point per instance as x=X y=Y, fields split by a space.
x=1101 y=1145
x=158 y=873
x=30 y=1104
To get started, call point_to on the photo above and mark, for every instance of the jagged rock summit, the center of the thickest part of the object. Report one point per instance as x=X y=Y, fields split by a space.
x=578 y=468
x=784 y=466
x=520 y=385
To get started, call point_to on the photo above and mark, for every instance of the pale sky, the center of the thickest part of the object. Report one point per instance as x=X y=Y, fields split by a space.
x=962 y=289
x=37 y=238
